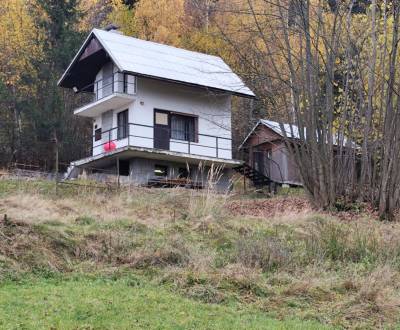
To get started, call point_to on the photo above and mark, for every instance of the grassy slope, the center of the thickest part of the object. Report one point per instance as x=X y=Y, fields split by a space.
x=98 y=304
x=201 y=250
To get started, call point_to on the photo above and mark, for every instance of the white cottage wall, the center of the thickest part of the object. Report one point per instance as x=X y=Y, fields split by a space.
x=212 y=110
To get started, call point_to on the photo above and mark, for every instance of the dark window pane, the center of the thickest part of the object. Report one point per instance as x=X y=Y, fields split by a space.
x=97 y=134
x=183 y=173
x=183 y=128
x=124 y=167
x=122 y=125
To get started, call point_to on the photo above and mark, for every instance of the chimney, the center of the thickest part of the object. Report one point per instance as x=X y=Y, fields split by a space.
x=113 y=28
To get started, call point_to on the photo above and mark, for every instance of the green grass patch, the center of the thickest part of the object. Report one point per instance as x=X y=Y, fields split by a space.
x=122 y=304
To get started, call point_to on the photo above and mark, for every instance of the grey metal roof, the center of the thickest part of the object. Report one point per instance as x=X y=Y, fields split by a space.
x=169 y=63
x=292 y=132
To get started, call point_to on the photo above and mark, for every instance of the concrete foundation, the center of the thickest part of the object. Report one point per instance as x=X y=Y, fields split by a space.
x=141 y=170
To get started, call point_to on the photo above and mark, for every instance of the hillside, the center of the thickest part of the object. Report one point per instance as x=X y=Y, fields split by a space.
x=157 y=258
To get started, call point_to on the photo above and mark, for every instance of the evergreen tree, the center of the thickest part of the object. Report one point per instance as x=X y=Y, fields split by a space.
x=53 y=118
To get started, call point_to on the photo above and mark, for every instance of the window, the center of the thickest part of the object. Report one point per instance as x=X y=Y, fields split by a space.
x=161 y=170
x=108 y=80
x=97 y=134
x=183 y=128
x=129 y=84
x=161 y=118
x=122 y=124
x=124 y=167
x=183 y=173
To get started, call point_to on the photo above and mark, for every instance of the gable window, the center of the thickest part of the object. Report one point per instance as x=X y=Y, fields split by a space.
x=122 y=119
x=183 y=128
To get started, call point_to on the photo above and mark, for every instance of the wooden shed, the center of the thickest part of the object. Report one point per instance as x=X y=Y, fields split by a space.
x=265 y=150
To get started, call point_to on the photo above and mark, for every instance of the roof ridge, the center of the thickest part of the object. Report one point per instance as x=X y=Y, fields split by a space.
x=161 y=44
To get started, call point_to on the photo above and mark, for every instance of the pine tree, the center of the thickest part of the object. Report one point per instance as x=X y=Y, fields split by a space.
x=53 y=118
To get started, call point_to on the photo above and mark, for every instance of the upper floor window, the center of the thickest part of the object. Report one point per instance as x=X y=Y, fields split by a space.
x=130 y=83
x=183 y=128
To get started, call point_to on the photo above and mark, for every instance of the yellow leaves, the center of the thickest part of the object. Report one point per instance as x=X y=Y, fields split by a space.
x=93 y=14
x=161 y=20
x=171 y=22
x=123 y=17
x=156 y=20
x=19 y=39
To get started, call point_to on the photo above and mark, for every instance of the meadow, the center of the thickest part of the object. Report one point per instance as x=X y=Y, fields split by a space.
x=83 y=258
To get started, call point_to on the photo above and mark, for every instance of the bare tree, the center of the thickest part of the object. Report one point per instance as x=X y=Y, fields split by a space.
x=331 y=70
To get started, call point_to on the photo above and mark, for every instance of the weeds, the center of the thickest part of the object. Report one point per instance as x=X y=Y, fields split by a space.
x=343 y=273
x=267 y=253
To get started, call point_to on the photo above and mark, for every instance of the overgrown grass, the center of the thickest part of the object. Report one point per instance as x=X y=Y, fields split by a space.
x=314 y=267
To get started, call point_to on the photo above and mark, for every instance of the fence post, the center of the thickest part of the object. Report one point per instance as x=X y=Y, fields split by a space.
x=216 y=144
x=56 y=165
x=118 y=183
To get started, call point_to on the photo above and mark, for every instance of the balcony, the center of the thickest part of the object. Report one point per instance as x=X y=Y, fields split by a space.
x=111 y=92
x=140 y=140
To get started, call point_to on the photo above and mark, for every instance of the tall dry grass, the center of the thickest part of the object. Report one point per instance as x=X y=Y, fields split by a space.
x=310 y=266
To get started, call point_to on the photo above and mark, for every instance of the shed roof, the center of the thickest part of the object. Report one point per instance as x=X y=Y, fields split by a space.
x=164 y=62
x=291 y=132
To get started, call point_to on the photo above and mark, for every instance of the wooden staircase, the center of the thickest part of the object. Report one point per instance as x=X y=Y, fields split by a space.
x=259 y=179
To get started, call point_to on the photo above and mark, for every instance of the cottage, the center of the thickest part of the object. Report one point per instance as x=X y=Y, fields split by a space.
x=266 y=152
x=158 y=112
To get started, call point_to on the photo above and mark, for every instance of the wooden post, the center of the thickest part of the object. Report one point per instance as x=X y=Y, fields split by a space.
x=56 y=165
x=118 y=183
x=6 y=221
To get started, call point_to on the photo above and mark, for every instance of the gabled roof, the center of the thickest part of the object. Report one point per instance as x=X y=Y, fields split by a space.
x=273 y=125
x=158 y=61
x=292 y=132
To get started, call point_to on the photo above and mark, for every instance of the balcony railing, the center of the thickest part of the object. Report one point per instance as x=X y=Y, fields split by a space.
x=117 y=83
x=138 y=135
